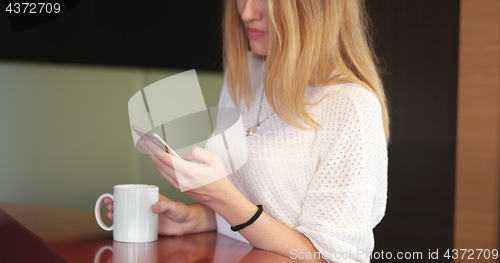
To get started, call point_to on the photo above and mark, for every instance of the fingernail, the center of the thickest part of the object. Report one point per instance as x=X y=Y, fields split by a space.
x=156 y=207
x=141 y=142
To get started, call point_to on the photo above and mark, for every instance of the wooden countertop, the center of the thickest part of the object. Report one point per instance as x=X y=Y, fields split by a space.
x=30 y=233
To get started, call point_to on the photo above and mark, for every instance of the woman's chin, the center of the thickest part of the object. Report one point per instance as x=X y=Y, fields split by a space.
x=260 y=51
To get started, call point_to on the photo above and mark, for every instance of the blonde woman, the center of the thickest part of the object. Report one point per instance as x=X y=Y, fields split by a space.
x=317 y=126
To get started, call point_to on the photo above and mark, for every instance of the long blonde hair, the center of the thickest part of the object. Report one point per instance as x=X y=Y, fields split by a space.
x=307 y=38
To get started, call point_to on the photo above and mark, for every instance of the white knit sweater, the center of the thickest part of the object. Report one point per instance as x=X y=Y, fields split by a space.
x=331 y=185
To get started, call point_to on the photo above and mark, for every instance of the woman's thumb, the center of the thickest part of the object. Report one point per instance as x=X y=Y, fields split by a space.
x=163 y=206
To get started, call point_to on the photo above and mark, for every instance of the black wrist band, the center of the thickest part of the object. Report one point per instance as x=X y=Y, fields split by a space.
x=254 y=217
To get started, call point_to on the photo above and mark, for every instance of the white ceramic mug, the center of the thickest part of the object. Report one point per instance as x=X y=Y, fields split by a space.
x=133 y=220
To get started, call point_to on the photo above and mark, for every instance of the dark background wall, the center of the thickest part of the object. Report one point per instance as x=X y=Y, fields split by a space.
x=168 y=34
x=418 y=42
x=416 y=39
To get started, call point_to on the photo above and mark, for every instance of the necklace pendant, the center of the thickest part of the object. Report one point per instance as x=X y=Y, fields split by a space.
x=251 y=131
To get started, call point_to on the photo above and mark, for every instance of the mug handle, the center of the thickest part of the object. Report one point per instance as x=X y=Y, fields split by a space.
x=97 y=256
x=98 y=212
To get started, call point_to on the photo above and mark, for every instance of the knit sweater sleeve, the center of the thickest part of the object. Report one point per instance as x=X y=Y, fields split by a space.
x=346 y=197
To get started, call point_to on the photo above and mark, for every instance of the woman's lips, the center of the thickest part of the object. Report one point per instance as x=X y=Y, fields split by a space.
x=254 y=33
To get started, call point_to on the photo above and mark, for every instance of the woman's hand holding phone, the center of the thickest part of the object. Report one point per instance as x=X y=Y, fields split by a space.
x=203 y=178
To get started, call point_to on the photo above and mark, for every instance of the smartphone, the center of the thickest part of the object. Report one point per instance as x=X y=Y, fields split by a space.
x=155 y=138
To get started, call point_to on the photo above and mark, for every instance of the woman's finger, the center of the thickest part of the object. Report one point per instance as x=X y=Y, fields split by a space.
x=169 y=160
x=158 y=163
x=165 y=171
x=163 y=206
x=152 y=149
x=186 y=167
x=108 y=200
x=173 y=210
x=110 y=207
x=171 y=171
x=168 y=178
x=155 y=158
x=202 y=155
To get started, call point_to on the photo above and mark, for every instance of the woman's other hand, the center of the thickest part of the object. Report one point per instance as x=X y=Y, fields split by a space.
x=175 y=218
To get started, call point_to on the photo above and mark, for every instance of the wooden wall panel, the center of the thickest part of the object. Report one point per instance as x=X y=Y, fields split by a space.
x=478 y=127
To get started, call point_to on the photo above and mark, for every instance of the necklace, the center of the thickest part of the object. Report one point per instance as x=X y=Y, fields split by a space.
x=253 y=129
